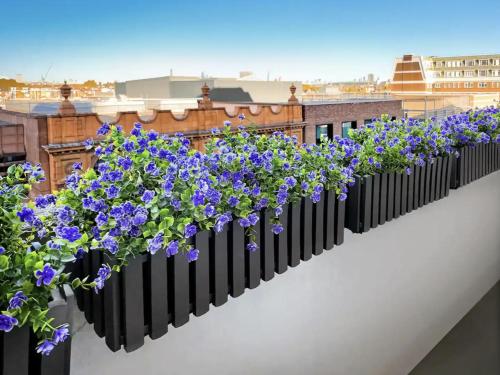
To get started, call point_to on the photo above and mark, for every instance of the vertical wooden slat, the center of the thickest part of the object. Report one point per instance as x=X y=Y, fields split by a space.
x=97 y=298
x=448 y=176
x=252 y=261
x=219 y=273
x=416 y=171
x=383 y=198
x=178 y=288
x=421 y=187
x=306 y=224
x=329 y=231
x=294 y=233
x=404 y=192
x=412 y=184
x=428 y=174
x=157 y=294
x=339 y=221
x=318 y=225
x=437 y=192
x=375 y=200
x=133 y=304
x=281 y=243
x=390 y=197
x=366 y=203
x=433 y=181
x=236 y=259
x=353 y=206
x=199 y=274
x=87 y=294
x=112 y=307
x=397 y=194
x=267 y=245
x=15 y=351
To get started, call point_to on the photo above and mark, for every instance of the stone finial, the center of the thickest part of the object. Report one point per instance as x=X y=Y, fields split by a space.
x=66 y=107
x=293 y=98
x=205 y=102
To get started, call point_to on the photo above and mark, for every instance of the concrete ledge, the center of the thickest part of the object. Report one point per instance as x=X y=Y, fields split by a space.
x=375 y=305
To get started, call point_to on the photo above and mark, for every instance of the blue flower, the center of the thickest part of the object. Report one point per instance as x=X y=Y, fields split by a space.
x=2 y=250
x=136 y=130
x=88 y=143
x=110 y=244
x=60 y=334
x=379 y=149
x=125 y=163
x=210 y=210
x=227 y=123
x=147 y=196
x=277 y=228
x=7 y=323
x=17 y=300
x=253 y=218
x=252 y=246
x=198 y=198
x=112 y=192
x=233 y=201
x=152 y=169
x=155 y=243
x=26 y=215
x=70 y=234
x=45 y=275
x=104 y=129
x=65 y=215
x=190 y=230
x=342 y=196
x=241 y=116
x=129 y=145
x=244 y=222
x=172 y=248
x=46 y=347
x=101 y=219
x=192 y=254
x=77 y=166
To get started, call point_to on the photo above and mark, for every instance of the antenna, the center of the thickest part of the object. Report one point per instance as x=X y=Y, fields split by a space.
x=44 y=77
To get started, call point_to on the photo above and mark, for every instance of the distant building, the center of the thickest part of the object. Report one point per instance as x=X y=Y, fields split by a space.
x=475 y=74
x=336 y=117
x=189 y=87
x=56 y=140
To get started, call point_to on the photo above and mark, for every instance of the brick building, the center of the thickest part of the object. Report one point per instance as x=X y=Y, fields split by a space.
x=12 y=150
x=336 y=117
x=56 y=141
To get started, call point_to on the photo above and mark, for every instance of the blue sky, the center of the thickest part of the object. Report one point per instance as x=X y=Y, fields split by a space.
x=299 y=40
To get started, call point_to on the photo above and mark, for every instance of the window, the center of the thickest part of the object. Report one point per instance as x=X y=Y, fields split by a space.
x=324 y=130
x=469 y=63
x=482 y=85
x=469 y=73
x=346 y=125
x=483 y=62
x=483 y=73
x=437 y=85
x=468 y=85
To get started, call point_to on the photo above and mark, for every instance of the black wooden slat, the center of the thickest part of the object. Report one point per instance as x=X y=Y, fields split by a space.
x=178 y=288
x=157 y=294
x=390 y=196
x=112 y=307
x=329 y=231
x=15 y=351
x=339 y=221
x=375 y=200
x=397 y=194
x=306 y=224
x=267 y=245
x=404 y=192
x=97 y=298
x=199 y=274
x=219 y=273
x=133 y=304
x=236 y=259
x=252 y=261
x=281 y=244
x=437 y=192
x=383 y=198
x=318 y=225
x=294 y=234
x=366 y=203
x=353 y=206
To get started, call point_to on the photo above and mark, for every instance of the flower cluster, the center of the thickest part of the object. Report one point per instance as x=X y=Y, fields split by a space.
x=473 y=127
x=397 y=145
x=32 y=256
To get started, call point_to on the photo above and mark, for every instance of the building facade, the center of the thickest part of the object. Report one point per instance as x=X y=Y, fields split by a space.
x=56 y=141
x=331 y=118
x=475 y=74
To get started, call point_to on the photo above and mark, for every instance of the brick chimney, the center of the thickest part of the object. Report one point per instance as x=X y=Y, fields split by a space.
x=205 y=102
x=293 y=99
x=66 y=107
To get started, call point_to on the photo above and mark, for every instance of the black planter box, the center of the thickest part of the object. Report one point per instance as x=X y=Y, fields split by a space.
x=152 y=291
x=374 y=200
x=18 y=354
x=473 y=163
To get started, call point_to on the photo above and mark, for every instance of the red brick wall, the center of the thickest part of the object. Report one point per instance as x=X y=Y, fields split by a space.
x=336 y=113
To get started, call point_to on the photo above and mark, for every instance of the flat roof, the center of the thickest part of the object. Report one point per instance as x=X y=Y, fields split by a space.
x=348 y=101
x=6 y=123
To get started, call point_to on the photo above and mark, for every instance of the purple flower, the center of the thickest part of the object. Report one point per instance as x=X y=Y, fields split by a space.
x=7 y=323
x=155 y=243
x=210 y=210
x=77 y=166
x=112 y=191
x=241 y=116
x=277 y=228
x=101 y=219
x=227 y=123
x=408 y=171
x=190 y=230
x=192 y=254
x=252 y=246
x=17 y=300
x=136 y=130
x=125 y=163
x=45 y=275
x=45 y=348
x=147 y=196
x=172 y=248
x=342 y=196
x=233 y=201
x=110 y=244
x=379 y=149
x=88 y=143
x=152 y=169
x=244 y=222
x=60 y=334
x=221 y=221
x=104 y=129
x=26 y=215
x=2 y=250
x=70 y=234
x=198 y=198
x=253 y=218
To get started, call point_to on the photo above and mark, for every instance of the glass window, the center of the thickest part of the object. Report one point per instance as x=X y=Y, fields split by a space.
x=346 y=125
x=323 y=130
